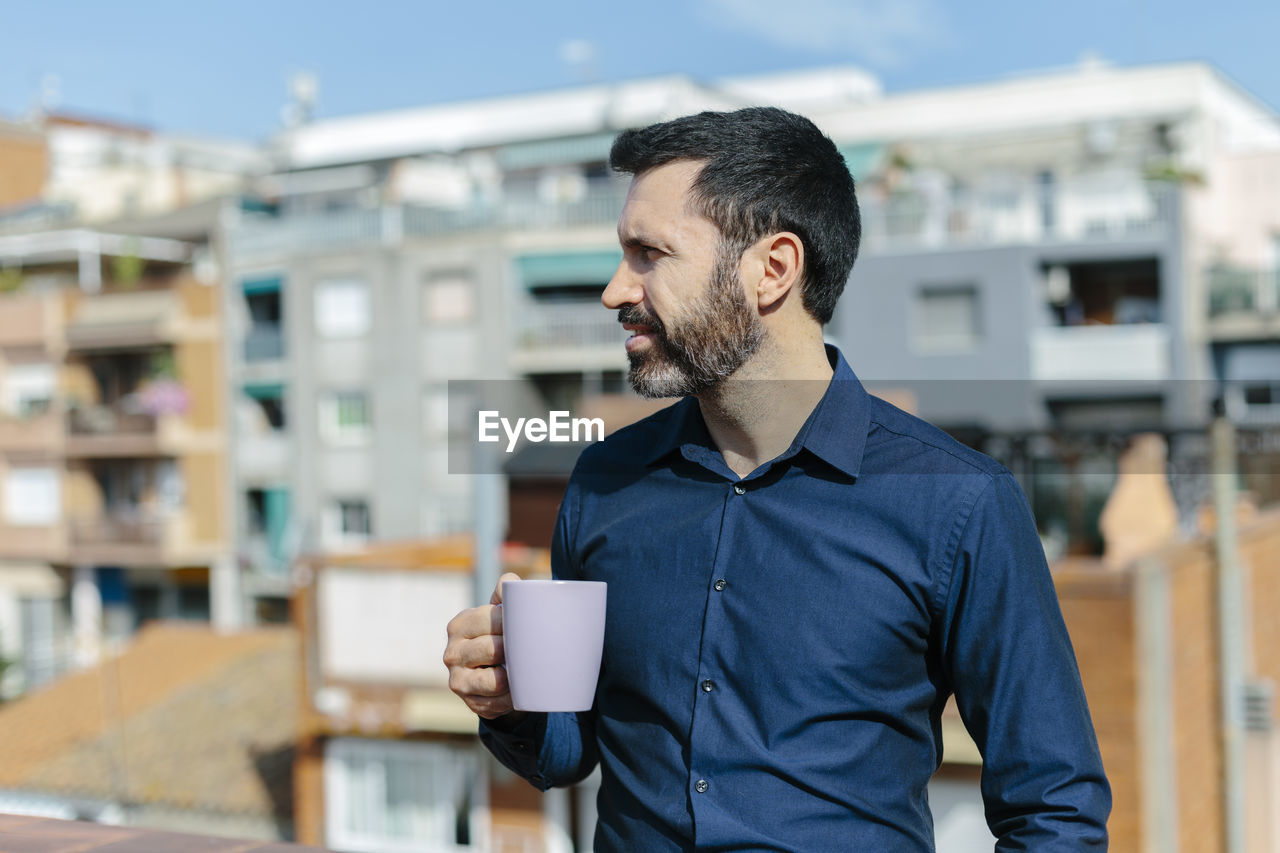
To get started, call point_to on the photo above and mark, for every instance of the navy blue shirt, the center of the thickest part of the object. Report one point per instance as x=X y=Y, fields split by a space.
x=779 y=647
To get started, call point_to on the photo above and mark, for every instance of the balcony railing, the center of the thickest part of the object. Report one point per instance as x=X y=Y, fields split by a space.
x=1234 y=290
x=118 y=528
x=919 y=218
x=570 y=325
x=390 y=225
x=1019 y=214
x=1138 y=351
x=264 y=343
x=116 y=419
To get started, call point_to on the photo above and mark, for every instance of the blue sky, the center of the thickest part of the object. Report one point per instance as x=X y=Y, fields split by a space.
x=221 y=70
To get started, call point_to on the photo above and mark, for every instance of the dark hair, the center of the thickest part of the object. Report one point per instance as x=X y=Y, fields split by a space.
x=766 y=170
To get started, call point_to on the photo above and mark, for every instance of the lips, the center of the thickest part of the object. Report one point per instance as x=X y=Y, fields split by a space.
x=642 y=327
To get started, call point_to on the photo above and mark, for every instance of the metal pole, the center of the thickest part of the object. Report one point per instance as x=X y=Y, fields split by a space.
x=1232 y=639
x=487 y=484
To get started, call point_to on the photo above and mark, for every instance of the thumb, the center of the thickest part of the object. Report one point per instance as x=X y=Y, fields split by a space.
x=496 y=598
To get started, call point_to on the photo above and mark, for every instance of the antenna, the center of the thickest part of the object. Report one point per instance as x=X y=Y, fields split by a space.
x=304 y=89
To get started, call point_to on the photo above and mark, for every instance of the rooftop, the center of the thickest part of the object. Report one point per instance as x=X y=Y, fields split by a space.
x=185 y=718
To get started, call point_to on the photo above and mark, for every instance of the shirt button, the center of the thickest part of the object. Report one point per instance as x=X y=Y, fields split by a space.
x=739 y=489
x=701 y=786
x=720 y=584
x=708 y=686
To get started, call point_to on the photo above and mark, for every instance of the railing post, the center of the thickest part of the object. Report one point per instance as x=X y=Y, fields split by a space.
x=1233 y=637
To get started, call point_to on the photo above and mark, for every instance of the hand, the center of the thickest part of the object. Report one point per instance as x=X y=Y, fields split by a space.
x=475 y=658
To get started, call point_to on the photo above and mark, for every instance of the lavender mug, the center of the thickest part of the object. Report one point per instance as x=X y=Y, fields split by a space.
x=553 y=636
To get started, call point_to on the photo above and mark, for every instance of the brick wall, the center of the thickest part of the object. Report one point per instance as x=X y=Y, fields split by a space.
x=1098 y=609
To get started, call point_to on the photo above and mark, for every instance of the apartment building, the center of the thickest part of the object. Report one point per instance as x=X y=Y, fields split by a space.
x=394 y=254
x=112 y=445
x=24 y=159
x=1039 y=264
x=1037 y=255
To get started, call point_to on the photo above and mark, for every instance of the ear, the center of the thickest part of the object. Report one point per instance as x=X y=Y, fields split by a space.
x=783 y=259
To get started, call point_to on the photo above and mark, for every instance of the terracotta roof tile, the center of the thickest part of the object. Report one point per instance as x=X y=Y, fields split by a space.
x=185 y=718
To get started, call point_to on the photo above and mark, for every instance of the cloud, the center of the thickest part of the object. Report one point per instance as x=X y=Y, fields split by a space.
x=880 y=32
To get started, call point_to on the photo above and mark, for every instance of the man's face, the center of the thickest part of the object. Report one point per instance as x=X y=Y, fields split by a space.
x=678 y=289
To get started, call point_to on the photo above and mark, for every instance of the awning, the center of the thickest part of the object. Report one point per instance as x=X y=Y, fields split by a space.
x=264 y=390
x=262 y=284
x=568 y=268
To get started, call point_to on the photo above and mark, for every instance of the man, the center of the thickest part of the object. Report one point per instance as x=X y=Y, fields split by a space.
x=799 y=574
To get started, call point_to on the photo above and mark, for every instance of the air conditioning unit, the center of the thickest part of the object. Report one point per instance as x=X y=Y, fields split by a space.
x=1259 y=706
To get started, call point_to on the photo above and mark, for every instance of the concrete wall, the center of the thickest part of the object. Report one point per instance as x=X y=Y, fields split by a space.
x=877 y=325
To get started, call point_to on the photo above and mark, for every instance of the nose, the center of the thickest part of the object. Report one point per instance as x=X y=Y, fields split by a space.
x=623 y=289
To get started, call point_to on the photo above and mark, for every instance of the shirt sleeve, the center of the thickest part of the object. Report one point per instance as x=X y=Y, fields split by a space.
x=550 y=749
x=1017 y=685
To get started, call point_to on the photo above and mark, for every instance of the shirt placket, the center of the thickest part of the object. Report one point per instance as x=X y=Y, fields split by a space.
x=709 y=684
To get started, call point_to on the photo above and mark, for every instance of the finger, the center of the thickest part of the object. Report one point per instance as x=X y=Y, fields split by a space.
x=486 y=682
x=496 y=598
x=490 y=709
x=476 y=622
x=480 y=652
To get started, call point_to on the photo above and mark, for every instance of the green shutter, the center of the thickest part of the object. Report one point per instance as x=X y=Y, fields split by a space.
x=568 y=268
x=264 y=390
x=262 y=284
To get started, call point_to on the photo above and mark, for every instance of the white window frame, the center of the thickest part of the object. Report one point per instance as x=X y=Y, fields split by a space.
x=333 y=430
x=343 y=307
x=27 y=384
x=445 y=767
x=32 y=496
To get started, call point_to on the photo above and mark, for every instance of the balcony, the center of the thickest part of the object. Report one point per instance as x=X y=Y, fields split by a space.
x=1101 y=353
x=264 y=343
x=1089 y=212
x=391 y=225
x=567 y=336
x=1243 y=302
x=117 y=429
x=124 y=319
x=263 y=456
x=124 y=537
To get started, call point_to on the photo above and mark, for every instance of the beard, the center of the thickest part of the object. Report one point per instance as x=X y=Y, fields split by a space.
x=716 y=338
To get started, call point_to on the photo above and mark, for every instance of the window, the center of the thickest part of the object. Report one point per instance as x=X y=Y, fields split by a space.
x=353 y=519
x=28 y=389
x=448 y=300
x=264 y=335
x=32 y=496
x=346 y=522
x=344 y=417
x=395 y=796
x=342 y=308
x=947 y=318
x=266 y=412
x=43 y=622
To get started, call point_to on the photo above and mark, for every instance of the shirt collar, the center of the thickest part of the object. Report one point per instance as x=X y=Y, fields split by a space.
x=835 y=432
